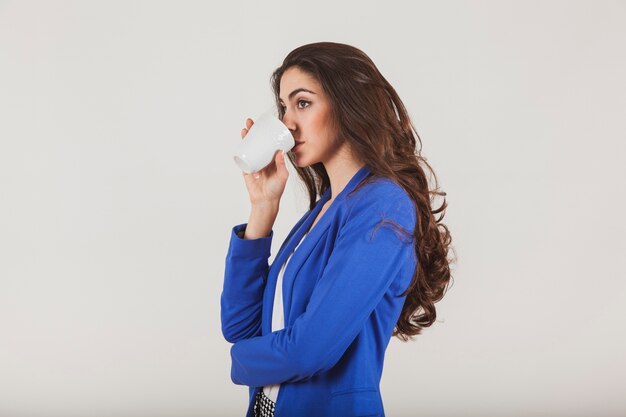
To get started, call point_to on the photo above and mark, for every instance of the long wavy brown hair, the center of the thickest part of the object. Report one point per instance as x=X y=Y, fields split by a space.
x=368 y=114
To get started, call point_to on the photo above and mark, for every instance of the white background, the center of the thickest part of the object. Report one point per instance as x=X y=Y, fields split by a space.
x=118 y=192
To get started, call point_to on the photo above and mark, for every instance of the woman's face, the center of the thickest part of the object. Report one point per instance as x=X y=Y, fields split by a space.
x=307 y=114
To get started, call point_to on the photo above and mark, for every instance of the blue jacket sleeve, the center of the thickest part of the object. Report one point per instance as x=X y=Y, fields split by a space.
x=244 y=281
x=359 y=271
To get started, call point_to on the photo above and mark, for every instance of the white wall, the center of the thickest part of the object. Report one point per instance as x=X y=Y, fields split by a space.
x=118 y=193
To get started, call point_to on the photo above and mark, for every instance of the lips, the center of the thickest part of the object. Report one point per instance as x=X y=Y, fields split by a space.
x=297 y=144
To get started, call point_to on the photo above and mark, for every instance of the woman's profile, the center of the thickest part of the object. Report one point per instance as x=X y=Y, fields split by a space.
x=366 y=262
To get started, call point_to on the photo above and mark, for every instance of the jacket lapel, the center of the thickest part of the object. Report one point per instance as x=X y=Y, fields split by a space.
x=303 y=252
x=286 y=249
x=305 y=248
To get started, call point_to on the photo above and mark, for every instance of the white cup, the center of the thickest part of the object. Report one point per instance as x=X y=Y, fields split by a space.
x=267 y=136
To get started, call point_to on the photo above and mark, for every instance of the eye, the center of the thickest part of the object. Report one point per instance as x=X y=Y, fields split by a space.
x=302 y=104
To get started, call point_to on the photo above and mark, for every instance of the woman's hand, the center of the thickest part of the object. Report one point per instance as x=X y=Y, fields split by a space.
x=267 y=185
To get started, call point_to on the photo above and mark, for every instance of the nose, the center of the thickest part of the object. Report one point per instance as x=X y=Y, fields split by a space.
x=289 y=122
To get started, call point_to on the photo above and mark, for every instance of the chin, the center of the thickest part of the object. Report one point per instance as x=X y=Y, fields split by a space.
x=305 y=164
x=302 y=161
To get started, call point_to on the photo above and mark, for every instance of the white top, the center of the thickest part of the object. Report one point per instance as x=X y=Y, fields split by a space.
x=278 y=318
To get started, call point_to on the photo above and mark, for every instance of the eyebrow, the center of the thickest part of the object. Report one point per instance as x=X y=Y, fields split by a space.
x=296 y=91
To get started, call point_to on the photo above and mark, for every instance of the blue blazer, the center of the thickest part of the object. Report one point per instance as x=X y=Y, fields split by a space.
x=340 y=298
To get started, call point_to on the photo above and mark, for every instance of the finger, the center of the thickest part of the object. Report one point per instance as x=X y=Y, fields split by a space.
x=244 y=132
x=249 y=123
x=280 y=161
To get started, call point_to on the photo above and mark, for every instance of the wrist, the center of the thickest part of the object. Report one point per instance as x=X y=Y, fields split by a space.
x=266 y=207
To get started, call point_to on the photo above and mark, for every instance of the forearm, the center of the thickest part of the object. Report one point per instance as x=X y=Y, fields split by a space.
x=245 y=274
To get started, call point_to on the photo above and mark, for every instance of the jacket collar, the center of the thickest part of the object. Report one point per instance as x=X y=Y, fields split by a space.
x=324 y=221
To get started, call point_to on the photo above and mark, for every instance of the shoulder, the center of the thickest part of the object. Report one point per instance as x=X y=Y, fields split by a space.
x=382 y=198
x=379 y=193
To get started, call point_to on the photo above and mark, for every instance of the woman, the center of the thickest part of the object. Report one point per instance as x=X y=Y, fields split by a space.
x=310 y=331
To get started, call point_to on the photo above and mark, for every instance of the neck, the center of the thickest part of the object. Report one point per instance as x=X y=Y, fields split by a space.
x=340 y=169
